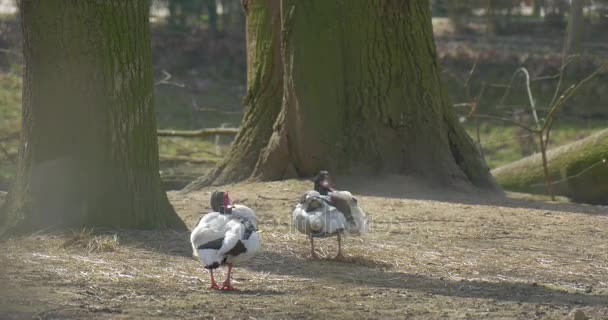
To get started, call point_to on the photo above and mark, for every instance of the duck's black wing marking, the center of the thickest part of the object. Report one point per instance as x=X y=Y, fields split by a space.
x=342 y=203
x=238 y=248
x=215 y=244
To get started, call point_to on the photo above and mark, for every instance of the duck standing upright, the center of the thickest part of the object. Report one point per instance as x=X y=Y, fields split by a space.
x=226 y=236
x=325 y=212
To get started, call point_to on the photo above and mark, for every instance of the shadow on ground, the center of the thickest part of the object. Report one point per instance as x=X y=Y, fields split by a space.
x=174 y=243
x=357 y=273
x=405 y=187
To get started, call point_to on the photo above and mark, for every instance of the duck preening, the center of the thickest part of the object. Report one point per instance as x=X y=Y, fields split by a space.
x=326 y=212
x=226 y=236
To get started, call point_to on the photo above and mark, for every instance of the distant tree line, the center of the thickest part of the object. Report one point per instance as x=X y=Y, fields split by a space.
x=218 y=16
x=503 y=15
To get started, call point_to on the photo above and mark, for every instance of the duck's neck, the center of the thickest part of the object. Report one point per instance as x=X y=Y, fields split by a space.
x=323 y=190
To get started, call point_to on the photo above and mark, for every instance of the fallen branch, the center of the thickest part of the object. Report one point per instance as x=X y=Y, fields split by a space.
x=168 y=133
x=186 y=159
x=197 y=133
x=576 y=170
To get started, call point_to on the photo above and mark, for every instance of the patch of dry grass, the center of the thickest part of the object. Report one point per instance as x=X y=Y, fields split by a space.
x=423 y=259
x=86 y=239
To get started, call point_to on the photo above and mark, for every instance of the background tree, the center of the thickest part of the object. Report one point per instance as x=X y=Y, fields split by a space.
x=89 y=154
x=537 y=7
x=181 y=12
x=574 y=33
x=361 y=91
x=459 y=12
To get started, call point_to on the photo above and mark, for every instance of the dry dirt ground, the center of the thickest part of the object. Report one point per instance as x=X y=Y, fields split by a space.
x=430 y=255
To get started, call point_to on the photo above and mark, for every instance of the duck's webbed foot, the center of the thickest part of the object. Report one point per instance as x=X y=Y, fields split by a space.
x=227 y=284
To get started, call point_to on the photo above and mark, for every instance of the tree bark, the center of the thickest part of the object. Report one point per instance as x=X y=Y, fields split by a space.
x=89 y=153
x=361 y=93
x=578 y=170
x=575 y=28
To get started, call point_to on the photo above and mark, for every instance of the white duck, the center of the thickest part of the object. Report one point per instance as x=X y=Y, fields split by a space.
x=326 y=212
x=226 y=236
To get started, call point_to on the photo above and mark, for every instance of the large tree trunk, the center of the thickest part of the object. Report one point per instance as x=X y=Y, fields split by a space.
x=89 y=153
x=361 y=93
x=578 y=170
x=575 y=27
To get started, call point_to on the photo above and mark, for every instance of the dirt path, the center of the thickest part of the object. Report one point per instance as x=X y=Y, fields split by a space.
x=430 y=255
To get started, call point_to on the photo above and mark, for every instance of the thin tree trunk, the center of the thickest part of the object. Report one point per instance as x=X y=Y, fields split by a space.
x=362 y=93
x=213 y=20
x=89 y=153
x=538 y=5
x=575 y=28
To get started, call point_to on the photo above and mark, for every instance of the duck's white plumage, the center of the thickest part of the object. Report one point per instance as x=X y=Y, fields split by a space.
x=326 y=212
x=318 y=216
x=226 y=238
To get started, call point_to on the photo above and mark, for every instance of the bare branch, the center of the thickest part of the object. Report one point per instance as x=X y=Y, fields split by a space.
x=476 y=102
x=484 y=116
x=526 y=74
x=470 y=75
x=166 y=81
x=567 y=61
x=554 y=76
x=568 y=93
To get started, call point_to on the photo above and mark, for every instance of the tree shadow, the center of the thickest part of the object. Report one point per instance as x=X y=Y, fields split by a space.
x=168 y=242
x=359 y=273
x=406 y=187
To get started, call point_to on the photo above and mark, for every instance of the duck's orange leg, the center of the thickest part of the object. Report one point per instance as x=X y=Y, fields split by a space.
x=213 y=283
x=227 y=284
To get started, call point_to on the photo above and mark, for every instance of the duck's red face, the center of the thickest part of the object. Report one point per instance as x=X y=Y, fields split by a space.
x=325 y=183
x=226 y=201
